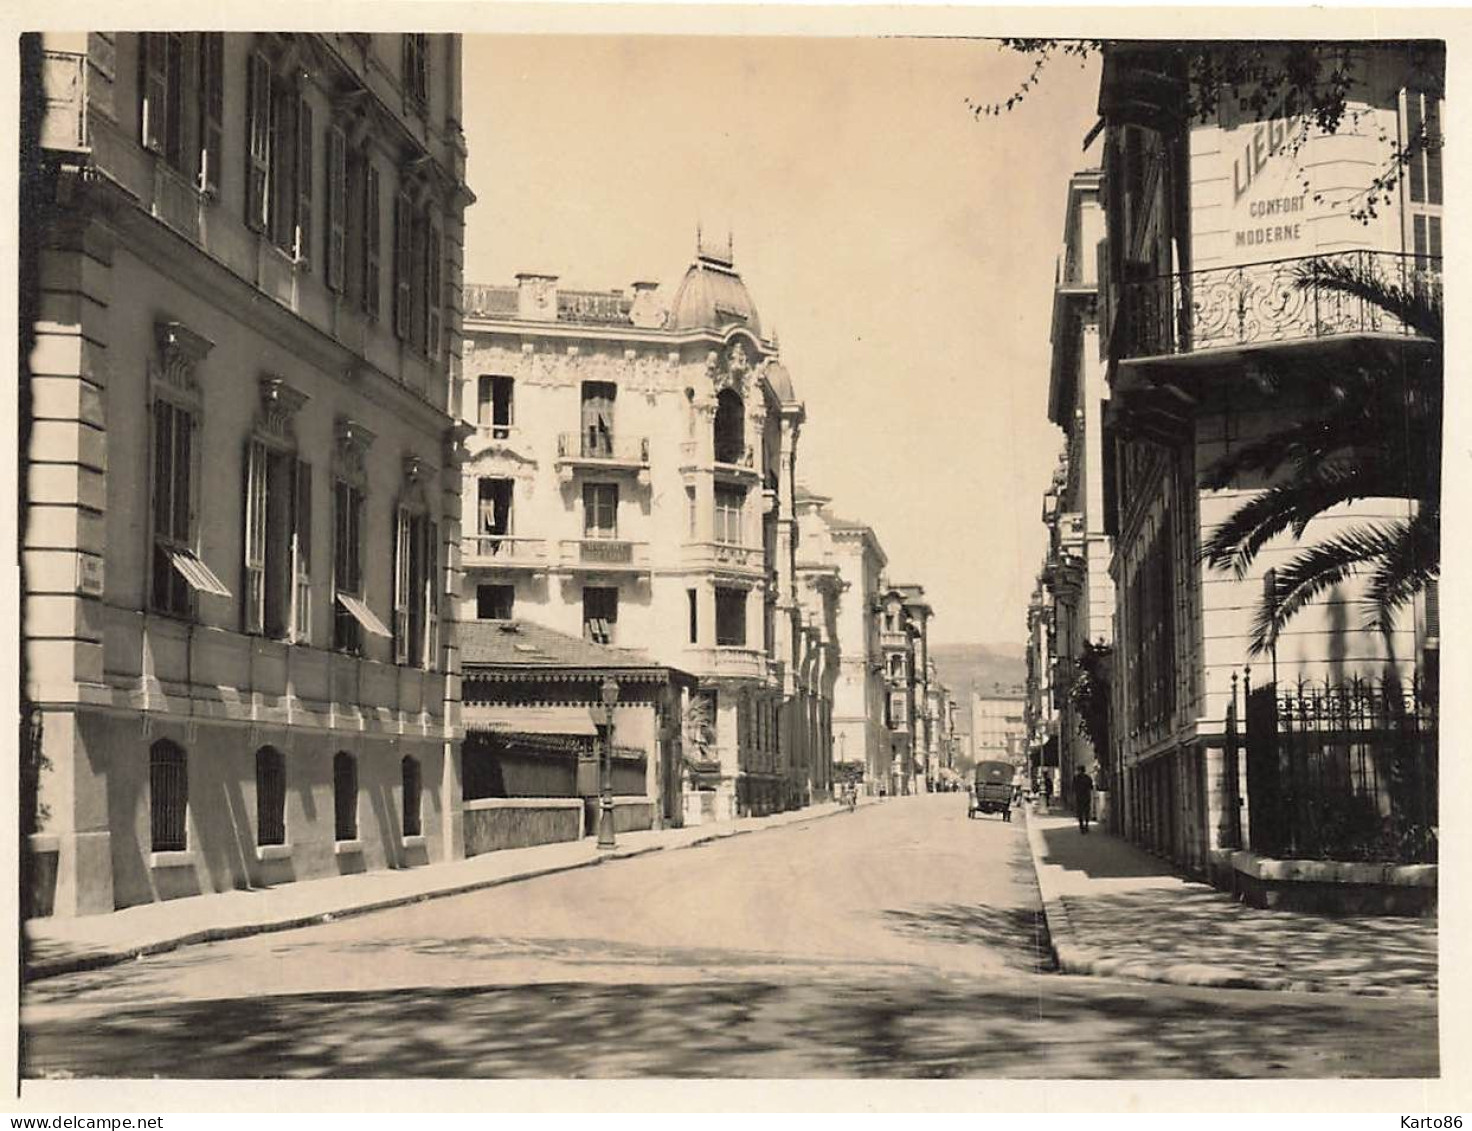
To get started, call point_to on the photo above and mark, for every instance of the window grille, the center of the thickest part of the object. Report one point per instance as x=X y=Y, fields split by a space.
x=168 y=797
x=270 y=796
x=412 y=797
x=344 y=796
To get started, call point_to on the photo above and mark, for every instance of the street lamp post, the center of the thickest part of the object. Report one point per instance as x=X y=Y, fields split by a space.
x=608 y=692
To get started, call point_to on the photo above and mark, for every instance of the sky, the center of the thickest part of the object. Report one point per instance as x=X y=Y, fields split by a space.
x=902 y=250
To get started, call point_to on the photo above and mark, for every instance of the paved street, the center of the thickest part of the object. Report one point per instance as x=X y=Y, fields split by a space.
x=902 y=940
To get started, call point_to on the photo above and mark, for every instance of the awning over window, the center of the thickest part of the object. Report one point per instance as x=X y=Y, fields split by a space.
x=199 y=576
x=363 y=614
x=546 y=720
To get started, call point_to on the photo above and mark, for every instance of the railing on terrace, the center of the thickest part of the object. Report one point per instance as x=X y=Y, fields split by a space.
x=1262 y=304
x=1343 y=771
x=503 y=550
x=744 y=459
x=64 y=79
x=598 y=446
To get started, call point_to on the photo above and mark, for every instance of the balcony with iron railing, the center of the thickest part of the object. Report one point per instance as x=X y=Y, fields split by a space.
x=1264 y=304
x=503 y=551
x=601 y=452
x=603 y=555
x=64 y=79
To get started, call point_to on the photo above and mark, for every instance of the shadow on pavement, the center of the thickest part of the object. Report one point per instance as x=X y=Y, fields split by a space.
x=1068 y=848
x=1205 y=926
x=849 y=1028
x=1020 y=934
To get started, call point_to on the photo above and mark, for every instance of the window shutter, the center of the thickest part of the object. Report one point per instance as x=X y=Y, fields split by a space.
x=402 y=558
x=337 y=207
x=403 y=224
x=432 y=595
x=254 y=585
x=301 y=549
x=372 y=235
x=433 y=296
x=211 y=109
x=303 y=244
x=154 y=111
x=258 y=135
x=418 y=278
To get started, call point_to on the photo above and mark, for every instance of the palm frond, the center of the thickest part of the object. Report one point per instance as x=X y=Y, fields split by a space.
x=1418 y=307
x=1414 y=560
x=1318 y=568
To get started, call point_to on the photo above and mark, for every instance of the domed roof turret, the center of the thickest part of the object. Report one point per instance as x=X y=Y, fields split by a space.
x=780 y=382
x=712 y=296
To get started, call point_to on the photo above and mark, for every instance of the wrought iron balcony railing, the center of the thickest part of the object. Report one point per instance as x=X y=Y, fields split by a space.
x=597 y=447
x=1263 y=304
x=503 y=551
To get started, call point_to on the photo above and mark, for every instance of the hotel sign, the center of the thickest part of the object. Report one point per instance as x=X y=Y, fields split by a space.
x=1270 y=205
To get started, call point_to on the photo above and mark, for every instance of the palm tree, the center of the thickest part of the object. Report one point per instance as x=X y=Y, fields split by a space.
x=1379 y=436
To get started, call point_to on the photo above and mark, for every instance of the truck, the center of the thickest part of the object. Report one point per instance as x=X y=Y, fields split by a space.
x=991 y=791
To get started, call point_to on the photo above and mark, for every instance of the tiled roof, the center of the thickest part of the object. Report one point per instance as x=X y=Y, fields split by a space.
x=522 y=644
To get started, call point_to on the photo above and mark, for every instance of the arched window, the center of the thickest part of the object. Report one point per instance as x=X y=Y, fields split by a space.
x=897 y=667
x=730 y=427
x=344 y=796
x=270 y=796
x=412 y=796
x=168 y=796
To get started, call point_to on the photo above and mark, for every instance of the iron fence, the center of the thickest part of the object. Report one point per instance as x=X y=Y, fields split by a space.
x=1264 y=303
x=1341 y=771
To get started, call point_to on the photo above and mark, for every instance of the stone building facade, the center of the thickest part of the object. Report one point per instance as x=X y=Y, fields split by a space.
x=241 y=479
x=630 y=479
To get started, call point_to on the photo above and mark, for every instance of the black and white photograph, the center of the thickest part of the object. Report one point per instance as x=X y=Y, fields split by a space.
x=653 y=545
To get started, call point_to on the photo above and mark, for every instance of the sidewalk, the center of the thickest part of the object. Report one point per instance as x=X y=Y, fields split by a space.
x=63 y=946
x=1116 y=911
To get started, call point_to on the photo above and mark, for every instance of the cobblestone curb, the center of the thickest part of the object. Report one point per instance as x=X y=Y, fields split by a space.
x=72 y=964
x=1074 y=957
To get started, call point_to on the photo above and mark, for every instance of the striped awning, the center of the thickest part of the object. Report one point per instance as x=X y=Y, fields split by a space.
x=363 y=614
x=200 y=577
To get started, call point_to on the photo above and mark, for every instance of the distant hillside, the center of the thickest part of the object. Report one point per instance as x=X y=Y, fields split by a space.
x=980 y=666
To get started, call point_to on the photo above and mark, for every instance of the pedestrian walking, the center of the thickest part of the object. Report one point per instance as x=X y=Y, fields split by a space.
x=1047 y=791
x=1083 y=798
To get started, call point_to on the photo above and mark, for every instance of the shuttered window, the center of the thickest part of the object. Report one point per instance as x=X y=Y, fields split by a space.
x=301 y=551
x=258 y=142
x=600 y=510
x=372 y=243
x=403 y=237
x=211 y=109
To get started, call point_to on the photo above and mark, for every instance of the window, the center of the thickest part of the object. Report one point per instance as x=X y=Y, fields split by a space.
x=694 y=596
x=178 y=573
x=494 y=405
x=598 y=398
x=433 y=291
x=730 y=427
x=344 y=796
x=270 y=796
x=496 y=497
x=347 y=565
x=897 y=667
x=600 y=510
x=730 y=617
x=280 y=145
x=168 y=797
x=416 y=68
x=729 y=504
x=898 y=709
x=161 y=65
x=495 y=602
x=1423 y=121
x=600 y=614
x=415 y=556
x=691 y=513
x=409 y=770
x=278 y=508
x=211 y=109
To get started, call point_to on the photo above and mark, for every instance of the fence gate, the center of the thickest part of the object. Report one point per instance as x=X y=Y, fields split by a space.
x=1264 y=774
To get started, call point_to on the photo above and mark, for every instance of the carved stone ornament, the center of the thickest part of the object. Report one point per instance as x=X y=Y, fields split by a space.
x=180 y=350
x=353 y=442
x=279 y=405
